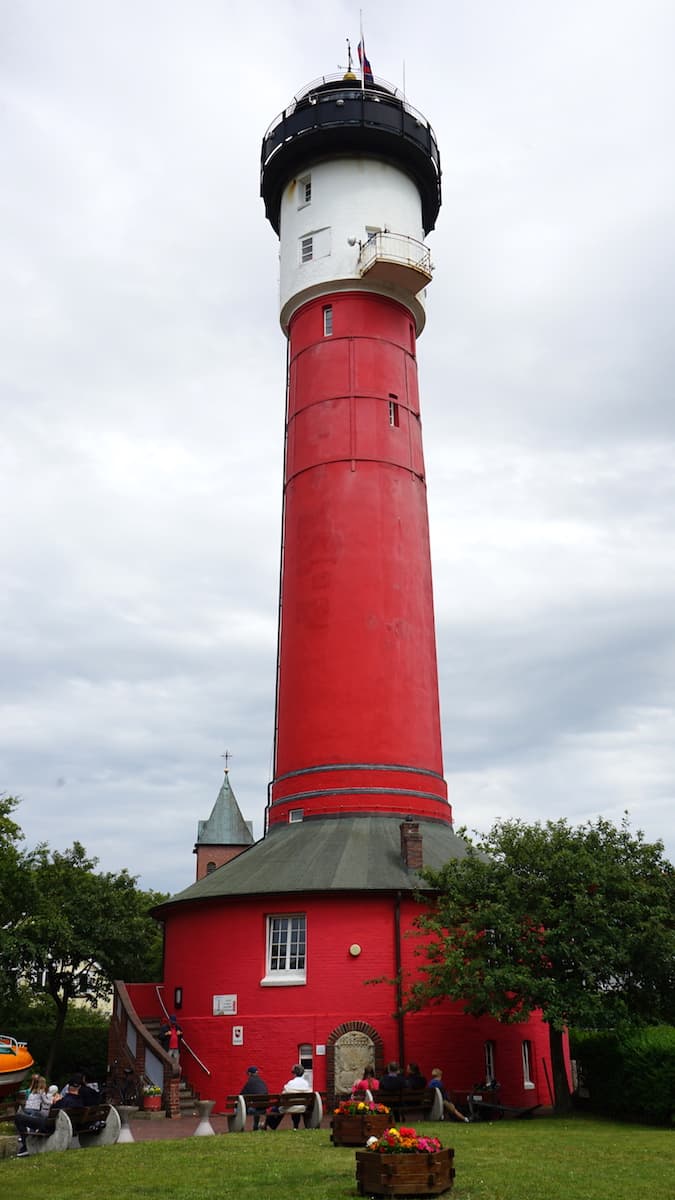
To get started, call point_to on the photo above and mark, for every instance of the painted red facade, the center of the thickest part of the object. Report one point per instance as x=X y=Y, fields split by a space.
x=219 y=949
x=358 y=713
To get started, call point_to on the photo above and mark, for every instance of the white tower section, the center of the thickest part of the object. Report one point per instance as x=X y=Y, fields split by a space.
x=337 y=218
x=351 y=182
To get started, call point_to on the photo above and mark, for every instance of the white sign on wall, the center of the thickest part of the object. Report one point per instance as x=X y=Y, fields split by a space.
x=224 y=1006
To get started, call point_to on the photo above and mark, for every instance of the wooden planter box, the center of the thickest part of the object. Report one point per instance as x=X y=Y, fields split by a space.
x=404 y=1174
x=355 y=1130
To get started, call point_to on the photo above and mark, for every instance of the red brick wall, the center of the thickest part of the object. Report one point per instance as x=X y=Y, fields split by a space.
x=219 y=949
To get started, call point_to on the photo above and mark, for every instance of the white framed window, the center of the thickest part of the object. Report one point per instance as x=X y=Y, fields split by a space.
x=328 y=320
x=315 y=244
x=286 y=950
x=393 y=414
x=527 y=1065
x=490 y=1062
x=295 y=814
x=372 y=232
x=304 y=191
x=306 y=1060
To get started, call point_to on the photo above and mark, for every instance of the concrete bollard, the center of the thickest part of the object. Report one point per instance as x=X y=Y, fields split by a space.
x=204 y=1128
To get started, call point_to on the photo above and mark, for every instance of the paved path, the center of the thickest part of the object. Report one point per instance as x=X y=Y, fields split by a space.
x=161 y=1129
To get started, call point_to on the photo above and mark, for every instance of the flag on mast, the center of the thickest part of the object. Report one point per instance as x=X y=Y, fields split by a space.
x=366 y=69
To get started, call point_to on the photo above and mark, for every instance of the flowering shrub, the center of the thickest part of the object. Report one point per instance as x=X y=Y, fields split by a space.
x=403 y=1141
x=357 y=1108
x=151 y=1090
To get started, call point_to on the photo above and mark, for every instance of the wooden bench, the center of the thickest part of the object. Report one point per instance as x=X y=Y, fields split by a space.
x=77 y=1128
x=428 y=1102
x=310 y=1104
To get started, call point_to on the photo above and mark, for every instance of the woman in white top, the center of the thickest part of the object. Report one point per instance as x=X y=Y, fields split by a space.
x=33 y=1115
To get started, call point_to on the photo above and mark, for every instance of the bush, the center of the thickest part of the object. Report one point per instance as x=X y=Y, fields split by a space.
x=82 y=1047
x=629 y=1073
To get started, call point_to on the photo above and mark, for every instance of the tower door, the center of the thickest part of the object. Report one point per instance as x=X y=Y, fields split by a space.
x=354 y=1052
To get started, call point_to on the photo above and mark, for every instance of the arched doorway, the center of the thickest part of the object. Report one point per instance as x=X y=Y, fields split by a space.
x=350 y=1049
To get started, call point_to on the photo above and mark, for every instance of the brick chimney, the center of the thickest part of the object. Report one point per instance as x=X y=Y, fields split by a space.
x=411 y=845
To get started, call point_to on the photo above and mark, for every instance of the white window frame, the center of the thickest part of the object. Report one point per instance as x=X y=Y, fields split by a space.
x=282 y=929
x=306 y=248
x=295 y=815
x=328 y=320
x=528 y=1082
x=490 y=1062
x=304 y=191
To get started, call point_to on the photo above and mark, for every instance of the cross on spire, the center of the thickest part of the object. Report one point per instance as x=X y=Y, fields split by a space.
x=227 y=756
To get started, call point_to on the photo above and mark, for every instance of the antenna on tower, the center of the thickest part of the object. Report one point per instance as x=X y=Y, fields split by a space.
x=349 y=73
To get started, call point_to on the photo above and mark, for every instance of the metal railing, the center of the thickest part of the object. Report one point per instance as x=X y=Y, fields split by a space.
x=395 y=248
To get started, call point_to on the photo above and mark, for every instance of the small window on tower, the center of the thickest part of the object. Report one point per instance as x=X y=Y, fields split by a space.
x=328 y=320
x=210 y=867
x=304 y=191
x=306 y=249
x=393 y=414
x=372 y=232
x=296 y=814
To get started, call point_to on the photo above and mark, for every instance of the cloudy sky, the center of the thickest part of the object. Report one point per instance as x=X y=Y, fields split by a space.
x=142 y=385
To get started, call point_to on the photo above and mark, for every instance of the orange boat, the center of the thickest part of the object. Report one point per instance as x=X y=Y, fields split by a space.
x=16 y=1061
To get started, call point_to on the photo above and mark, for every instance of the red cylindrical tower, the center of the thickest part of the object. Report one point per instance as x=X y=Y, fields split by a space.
x=351 y=182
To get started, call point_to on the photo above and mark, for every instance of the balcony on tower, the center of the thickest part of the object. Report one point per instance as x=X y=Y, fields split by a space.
x=395 y=259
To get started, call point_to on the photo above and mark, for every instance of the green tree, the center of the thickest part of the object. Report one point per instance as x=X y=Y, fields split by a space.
x=575 y=921
x=12 y=894
x=72 y=930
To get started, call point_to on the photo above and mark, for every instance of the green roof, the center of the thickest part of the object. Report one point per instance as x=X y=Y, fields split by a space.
x=225 y=826
x=326 y=854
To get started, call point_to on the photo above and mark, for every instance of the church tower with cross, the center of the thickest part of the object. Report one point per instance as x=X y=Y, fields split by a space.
x=225 y=834
x=301 y=948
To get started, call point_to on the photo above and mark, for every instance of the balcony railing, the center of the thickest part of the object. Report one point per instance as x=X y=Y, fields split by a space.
x=396 y=259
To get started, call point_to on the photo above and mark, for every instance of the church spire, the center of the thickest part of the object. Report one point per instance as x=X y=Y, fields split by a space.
x=225 y=835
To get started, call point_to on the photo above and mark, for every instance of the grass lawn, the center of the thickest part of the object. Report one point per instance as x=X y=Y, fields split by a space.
x=579 y=1159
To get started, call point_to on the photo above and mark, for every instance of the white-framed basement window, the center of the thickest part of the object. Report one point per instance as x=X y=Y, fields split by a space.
x=286 y=953
x=528 y=1082
x=490 y=1062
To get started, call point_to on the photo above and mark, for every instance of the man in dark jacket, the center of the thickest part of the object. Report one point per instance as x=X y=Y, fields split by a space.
x=254 y=1086
x=393 y=1081
x=71 y=1097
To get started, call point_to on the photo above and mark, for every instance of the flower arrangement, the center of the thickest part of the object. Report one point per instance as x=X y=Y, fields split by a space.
x=151 y=1090
x=403 y=1141
x=358 y=1108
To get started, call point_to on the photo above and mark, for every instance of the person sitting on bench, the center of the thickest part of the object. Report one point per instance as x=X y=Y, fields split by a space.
x=297 y=1083
x=448 y=1106
x=33 y=1116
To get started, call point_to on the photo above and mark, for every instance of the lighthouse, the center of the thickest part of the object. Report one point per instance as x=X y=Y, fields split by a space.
x=351 y=180
x=299 y=948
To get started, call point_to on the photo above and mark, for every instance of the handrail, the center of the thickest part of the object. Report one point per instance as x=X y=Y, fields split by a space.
x=380 y=87
x=395 y=247
x=184 y=1045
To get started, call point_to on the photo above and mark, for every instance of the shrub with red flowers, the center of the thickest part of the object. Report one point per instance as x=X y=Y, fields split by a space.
x=403 y=1141
x=359 y=1108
